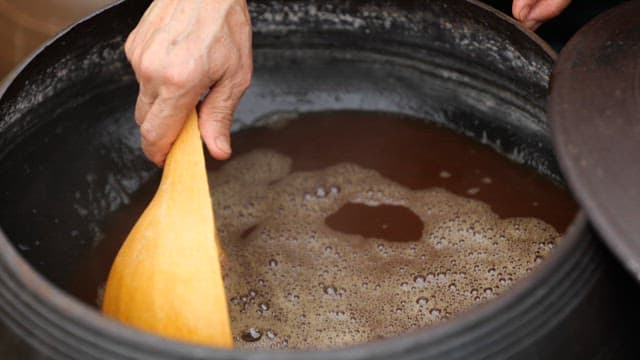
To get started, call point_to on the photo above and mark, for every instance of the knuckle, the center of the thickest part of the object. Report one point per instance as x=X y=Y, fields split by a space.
x=149 y=133
x=221 y=116
x=244 y=79
x=169 y=73
x=180 y=75
x=176 y=77
x=147 y=66
x=224 y=118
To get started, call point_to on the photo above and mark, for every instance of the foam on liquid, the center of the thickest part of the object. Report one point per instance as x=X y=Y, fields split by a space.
x=295 y=282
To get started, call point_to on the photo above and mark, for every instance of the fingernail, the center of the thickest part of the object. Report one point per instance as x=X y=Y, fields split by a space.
x=222 y=142
x=524 y=13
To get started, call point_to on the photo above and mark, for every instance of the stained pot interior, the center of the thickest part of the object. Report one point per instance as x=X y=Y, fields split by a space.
x=70 y=151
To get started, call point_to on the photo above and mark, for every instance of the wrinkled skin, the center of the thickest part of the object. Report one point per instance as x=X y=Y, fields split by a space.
x=181 y=49
x=178 y=51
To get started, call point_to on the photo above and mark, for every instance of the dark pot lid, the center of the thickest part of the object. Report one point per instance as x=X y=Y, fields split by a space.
x=595 y=113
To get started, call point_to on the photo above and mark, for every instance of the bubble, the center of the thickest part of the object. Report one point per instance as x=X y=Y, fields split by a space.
x=330 y=290
x=444 y=174
x=488 y=291
x=251 y=335
x=338 y=315
x=430 y=276
x=473 y=191
x=400 y=286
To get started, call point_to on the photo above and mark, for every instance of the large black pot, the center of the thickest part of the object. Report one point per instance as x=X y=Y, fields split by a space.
x=69 y=157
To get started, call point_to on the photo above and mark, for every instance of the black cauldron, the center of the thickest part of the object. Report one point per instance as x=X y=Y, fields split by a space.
x=69 y=157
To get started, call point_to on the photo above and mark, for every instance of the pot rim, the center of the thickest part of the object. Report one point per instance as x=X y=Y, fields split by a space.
x=38 y=292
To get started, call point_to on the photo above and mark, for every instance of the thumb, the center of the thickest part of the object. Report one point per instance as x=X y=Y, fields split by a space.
x=216 y=115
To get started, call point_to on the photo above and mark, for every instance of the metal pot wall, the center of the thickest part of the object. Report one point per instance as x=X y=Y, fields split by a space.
x=69 y=157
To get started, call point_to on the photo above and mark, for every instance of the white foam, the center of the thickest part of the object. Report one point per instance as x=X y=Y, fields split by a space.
x=288 y=275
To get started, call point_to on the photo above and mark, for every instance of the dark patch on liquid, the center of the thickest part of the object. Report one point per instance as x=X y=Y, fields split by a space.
x=245 y=234
x=388 y=222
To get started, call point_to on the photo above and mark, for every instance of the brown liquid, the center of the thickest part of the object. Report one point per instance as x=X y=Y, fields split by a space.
x=336 y=228
x=416 y=155
x=388 y=222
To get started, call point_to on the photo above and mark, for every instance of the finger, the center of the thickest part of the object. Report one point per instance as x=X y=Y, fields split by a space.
x=216 y=115
x=144 y=103
x=216 y=111
x=162 y=125
x=522 y=8
x=547 y=9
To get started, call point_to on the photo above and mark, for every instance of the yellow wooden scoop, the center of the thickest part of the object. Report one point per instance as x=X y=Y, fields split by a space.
x=166 y=278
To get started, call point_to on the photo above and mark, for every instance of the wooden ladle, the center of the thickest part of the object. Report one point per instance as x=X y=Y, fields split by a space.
x=166 y=278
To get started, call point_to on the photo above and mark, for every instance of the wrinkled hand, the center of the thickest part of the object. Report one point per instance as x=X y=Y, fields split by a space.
x=178 y=51
x=532 y=13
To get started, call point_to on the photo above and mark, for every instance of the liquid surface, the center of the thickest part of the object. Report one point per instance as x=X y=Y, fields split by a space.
x=301 y=284
x=341 y=228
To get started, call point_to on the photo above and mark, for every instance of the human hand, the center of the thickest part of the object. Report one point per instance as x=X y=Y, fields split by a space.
x=532 y=13
x=178 y=51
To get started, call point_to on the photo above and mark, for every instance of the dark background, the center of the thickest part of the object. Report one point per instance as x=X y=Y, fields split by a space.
x=25 y=24
x=559 y=30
